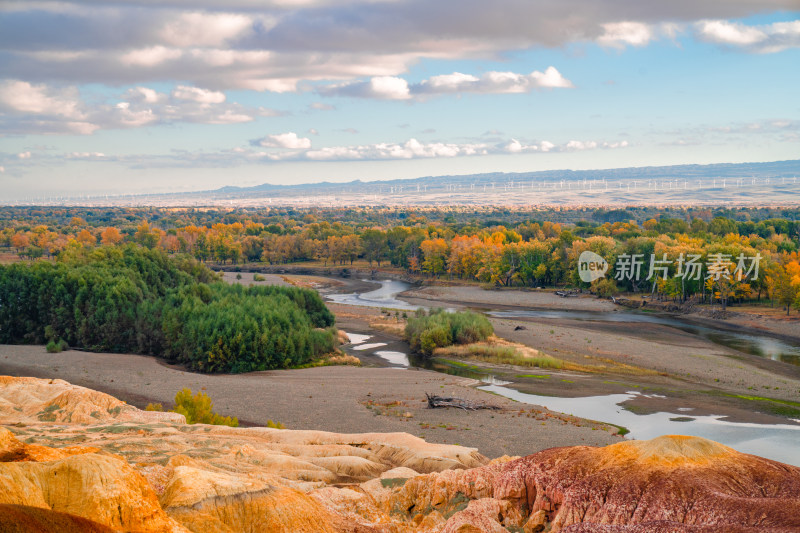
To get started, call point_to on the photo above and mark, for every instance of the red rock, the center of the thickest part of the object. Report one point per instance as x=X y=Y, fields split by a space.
x=669 y=484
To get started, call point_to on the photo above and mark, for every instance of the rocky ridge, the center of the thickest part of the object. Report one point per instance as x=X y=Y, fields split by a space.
x=73 y=459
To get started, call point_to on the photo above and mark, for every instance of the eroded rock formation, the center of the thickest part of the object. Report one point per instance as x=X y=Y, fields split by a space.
x=72 y=459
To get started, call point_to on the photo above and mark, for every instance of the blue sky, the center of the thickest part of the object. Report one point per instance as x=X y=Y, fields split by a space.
x=133 y=96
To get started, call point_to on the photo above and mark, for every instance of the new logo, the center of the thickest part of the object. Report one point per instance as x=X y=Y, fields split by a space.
x=591 y=266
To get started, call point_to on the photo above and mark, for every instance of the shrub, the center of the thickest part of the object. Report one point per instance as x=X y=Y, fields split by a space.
x=434 y=337
x=238 y=276
x=198 y=409
x=604 y=288
x=56 y=346
x=154 y=407
x=258 y=277
x=427 y=331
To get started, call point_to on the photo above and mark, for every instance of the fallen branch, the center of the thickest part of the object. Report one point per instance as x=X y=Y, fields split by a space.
x=435 y=402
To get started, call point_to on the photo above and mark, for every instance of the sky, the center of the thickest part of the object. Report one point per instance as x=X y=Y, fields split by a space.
x=142 y=96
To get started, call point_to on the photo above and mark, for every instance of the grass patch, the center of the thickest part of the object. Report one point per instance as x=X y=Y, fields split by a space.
x=457 y=364
x=786 y=408
x=537 y=376
x=621 y=430
x=343 y=359
x=499 y=351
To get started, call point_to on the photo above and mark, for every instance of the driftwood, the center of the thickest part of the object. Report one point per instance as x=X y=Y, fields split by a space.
x=566 y=294
x=434 y=402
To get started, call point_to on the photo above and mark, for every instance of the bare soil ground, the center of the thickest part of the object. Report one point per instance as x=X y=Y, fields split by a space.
x=339 y=399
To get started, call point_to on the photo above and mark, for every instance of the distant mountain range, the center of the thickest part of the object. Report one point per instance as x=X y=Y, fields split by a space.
x=775 y=169
x=771 y=183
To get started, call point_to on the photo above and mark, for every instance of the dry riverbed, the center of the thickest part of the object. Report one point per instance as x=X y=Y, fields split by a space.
x=669 y=367
x=334 y=398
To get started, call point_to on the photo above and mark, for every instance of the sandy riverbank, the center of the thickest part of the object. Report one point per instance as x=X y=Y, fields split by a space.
x=653 y=348
x=324 y=398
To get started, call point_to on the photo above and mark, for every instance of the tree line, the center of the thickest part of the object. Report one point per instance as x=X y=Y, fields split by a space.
x=442 y=243
x=133 y=299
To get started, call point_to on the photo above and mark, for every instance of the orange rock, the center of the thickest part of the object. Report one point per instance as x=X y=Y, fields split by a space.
x=34 y=400
x=23 y=519
x=206 y=501
x=165 y=475
x=12 y=450
x=102 y=488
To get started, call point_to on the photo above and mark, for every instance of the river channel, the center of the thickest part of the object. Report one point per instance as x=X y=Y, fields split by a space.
x=776 y=441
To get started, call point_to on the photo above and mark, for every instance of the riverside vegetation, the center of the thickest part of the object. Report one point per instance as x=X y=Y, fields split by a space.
x=496 y=246
x=426 y=331
x=133 y=299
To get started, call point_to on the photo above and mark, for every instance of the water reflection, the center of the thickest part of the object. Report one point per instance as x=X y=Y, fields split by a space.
x=774 y=441
x=395 y=358
x=385 y=296
x=369 y=346
x=357 y=338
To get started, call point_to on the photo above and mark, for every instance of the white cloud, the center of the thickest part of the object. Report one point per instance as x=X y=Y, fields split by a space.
x=86 y=155
x=722 y=31
x=319 y=106
x=24 y=155
x=2 y=169
x=150 y=57
x=764 y=39
x=269 y=46
x=514 y=147
x=124 y=116
x=196 y=94
x=379 y=87
x=229 y=117
x=412 y=149
x=205 y=29
x=148 y=95
x=23 y=97
x=493 y=82
x=620 y=34
x=288 y=140
x=392 y=88
x=47 y=110
x=551 y=78
x=408 y=150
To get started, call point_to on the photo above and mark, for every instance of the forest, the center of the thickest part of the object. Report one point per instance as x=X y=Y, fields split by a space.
x=494 y=246
x=132 y=299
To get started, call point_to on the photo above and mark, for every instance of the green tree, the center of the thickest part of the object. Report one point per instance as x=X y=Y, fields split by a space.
x=199 y=409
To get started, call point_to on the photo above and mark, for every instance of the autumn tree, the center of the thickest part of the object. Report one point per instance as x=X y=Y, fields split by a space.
x=20 y=241
x=110 y=236
x=434 y=252
x=86 y=238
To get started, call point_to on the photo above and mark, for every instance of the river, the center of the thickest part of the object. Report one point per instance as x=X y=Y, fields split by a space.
x=776 y=441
